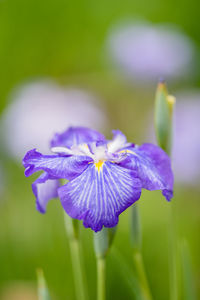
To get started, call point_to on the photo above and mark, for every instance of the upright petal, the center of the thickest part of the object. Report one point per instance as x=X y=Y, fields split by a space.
x=76 y=135
x=44 y=188
x=55 y=165
x=153 y=167
x=119 y=142
x=100 y=194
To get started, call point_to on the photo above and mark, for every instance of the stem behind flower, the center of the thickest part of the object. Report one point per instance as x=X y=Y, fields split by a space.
x=77 y=270
x=173 y=256
x=101 y=278
x=74 y=243
x=145 y=291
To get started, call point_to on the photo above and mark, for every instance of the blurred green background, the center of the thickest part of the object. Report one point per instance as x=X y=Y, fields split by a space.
x=65 y=40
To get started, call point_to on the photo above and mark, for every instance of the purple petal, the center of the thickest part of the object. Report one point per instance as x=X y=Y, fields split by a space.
x=117 y=134
x=98 y=196
x=119 y=142
x=44 y=189
x=67 y=167
x=76 y=135
x=153 y=167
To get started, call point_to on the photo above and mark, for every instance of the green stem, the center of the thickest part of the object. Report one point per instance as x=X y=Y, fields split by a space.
x=101 y=278
x=172 y=257
x=74 y=243
x=43 y=293
x=77 y=269
x=137 y=257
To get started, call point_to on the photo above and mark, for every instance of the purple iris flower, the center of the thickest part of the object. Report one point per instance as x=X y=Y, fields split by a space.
x=105 y=176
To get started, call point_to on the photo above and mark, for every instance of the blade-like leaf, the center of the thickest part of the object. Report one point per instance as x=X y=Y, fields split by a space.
x=189 y=292
x=127 y=274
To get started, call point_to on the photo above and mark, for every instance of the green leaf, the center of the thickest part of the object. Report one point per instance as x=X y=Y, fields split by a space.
x=189 y=292
x=127 y=274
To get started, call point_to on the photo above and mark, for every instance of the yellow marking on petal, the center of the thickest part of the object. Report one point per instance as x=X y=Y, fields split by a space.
x=99 y=165
x=126 y=151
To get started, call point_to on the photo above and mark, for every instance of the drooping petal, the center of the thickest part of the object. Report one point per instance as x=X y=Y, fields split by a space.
x=67 y=167
x=75 y=136
x=100 y=194
x=153 y=167
x=44 y=188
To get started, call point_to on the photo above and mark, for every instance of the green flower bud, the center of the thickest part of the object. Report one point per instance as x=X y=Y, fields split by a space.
x=164 y=106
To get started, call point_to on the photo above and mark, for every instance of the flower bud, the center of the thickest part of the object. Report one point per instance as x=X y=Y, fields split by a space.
x=171 y=100
x=164 y=106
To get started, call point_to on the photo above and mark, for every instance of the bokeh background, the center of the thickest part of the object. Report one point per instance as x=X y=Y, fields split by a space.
x=94 y=63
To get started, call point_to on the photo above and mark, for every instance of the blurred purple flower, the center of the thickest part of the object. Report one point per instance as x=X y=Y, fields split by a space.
x=40 y=109
x=105 y=177
x=186 y=142
x=147 y=52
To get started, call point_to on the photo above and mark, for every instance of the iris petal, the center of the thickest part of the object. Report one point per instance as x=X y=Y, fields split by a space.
x=153 y=167
x=75 y=136
x=100 y=194
x=67 y=167
x=44 y=189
